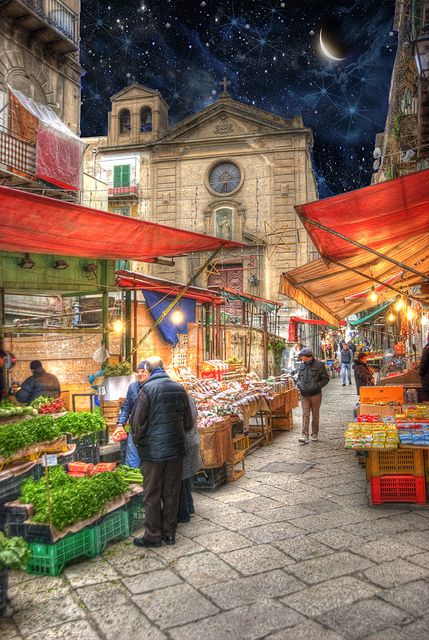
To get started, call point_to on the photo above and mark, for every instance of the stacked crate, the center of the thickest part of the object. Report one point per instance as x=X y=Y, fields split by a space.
x=396 y=475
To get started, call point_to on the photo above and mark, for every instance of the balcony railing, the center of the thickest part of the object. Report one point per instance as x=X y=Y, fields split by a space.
x=17 y=155
x=130 y=191
x=53 y=21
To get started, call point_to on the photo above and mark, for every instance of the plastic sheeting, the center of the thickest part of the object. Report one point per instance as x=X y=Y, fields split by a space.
x=375 y=216
x=158 y=303
x=59 y=151
x=35 y=224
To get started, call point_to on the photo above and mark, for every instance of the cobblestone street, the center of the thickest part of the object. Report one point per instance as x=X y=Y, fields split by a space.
x=290 y=551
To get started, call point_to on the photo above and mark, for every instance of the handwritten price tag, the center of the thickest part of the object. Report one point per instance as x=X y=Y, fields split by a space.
x=50 y=460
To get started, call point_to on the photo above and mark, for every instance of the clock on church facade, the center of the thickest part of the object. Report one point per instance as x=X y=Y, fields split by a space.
x=225 y=177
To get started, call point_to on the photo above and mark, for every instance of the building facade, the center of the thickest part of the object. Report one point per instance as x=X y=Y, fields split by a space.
x=39 y=57
x=403 y=147
x=230 y=170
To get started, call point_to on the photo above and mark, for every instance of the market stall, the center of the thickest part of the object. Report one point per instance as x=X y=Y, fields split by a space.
x=237 y=412
x=391 y=437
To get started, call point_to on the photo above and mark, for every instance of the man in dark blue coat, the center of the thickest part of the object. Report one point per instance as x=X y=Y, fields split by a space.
x=160 y=417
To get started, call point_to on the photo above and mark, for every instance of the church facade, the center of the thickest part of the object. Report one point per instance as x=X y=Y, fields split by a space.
x=230 y=170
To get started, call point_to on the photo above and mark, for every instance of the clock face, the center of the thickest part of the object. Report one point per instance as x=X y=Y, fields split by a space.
x=225 y=177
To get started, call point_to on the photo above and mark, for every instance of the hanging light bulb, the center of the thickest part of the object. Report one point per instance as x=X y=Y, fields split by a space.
x=391 y=316
x=373 y=295
x=177 y=317
x=399 y=304
x=118 y=326
x=410 y=314
x=424 y=320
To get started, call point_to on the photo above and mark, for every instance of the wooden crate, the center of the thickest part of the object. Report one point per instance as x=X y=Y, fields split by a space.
x=232 y=472
x=282 y=422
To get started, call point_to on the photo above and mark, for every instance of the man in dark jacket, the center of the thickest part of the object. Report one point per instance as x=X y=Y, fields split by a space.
x=312 y=377
x=132 y=458
x=424 y=372
x=160 y=417
x=40 y=383
x=346 y=356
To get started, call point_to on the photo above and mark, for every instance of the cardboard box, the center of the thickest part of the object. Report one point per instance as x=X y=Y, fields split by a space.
x=381 y=410
x=369 y=395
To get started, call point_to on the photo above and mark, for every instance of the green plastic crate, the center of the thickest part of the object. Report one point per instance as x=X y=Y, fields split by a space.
x=50 y=559
x=114 y=526
x=135 y=509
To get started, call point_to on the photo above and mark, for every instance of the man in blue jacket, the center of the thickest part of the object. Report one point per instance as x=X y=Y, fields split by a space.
x=132 y=458
x=160 y=417
x=346 y=356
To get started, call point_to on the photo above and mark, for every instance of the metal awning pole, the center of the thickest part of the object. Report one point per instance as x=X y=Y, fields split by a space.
x=319 y=225
x=372 y=279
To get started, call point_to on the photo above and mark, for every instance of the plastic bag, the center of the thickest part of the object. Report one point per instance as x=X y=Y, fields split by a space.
x=100 y=355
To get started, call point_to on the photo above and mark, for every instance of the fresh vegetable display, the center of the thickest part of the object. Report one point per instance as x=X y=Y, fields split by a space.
x=119 y=369
x=71 y=499
x=8 y=408
x=82 y=423
x=45 y=404
x=130 y=474
x=20 y=435
x=14 y=552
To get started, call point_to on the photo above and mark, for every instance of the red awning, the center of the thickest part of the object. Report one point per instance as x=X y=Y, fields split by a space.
x=376 y=216
x=131 y=280
x=248 y=296
x=35 y=224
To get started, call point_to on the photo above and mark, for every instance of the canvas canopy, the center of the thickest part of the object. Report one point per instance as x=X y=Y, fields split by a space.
x=391 y=219
x=35 y=224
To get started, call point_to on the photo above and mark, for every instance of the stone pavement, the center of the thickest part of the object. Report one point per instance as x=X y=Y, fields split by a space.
x=290 y=551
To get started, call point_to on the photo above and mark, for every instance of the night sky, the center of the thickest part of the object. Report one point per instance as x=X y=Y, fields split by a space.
x=269 y=50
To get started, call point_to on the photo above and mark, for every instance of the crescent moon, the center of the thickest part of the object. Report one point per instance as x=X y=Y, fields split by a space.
x=326 y=51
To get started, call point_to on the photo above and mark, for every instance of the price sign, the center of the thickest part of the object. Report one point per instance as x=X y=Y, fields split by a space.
x=50 y=460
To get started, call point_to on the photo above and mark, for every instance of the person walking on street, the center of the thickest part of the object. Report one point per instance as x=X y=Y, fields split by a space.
x=40 y=383
x=312 y=377
x=364 y=375
x=132 y=458
x=159 y=420
x=346 y=364
x=352 y=347
x=424 y=371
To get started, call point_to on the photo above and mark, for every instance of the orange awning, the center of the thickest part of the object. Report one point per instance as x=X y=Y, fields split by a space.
x=391 y=218
x=35 y=224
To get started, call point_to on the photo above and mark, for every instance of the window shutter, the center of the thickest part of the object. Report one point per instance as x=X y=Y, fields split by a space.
x=121 y=175
x=117 y=176
x=126 y=174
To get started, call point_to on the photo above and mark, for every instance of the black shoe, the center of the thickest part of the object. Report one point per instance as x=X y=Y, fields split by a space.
x=144 y=542
x=169 y=539
x=344 y=384
x=349 y=382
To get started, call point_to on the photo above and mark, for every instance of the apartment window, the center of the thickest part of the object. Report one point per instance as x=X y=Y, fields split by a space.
x=121 y=175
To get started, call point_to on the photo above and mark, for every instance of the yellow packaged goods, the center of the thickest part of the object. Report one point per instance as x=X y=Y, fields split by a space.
x=362 y=435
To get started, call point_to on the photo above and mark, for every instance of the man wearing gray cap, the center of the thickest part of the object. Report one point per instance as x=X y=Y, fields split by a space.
x=312 y=377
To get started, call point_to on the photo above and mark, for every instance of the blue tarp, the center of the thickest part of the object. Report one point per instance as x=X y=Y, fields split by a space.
x=158 y=302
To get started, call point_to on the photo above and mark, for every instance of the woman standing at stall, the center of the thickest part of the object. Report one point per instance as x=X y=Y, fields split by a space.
x=364 y=375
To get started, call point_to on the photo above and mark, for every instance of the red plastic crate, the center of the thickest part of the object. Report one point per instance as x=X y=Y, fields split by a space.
x=398 y=489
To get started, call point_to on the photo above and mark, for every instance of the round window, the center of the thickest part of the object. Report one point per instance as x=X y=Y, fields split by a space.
x=225 y=177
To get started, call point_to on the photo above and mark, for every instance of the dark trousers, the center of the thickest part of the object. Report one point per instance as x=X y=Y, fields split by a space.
x=161 y=491
x=186 y=502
